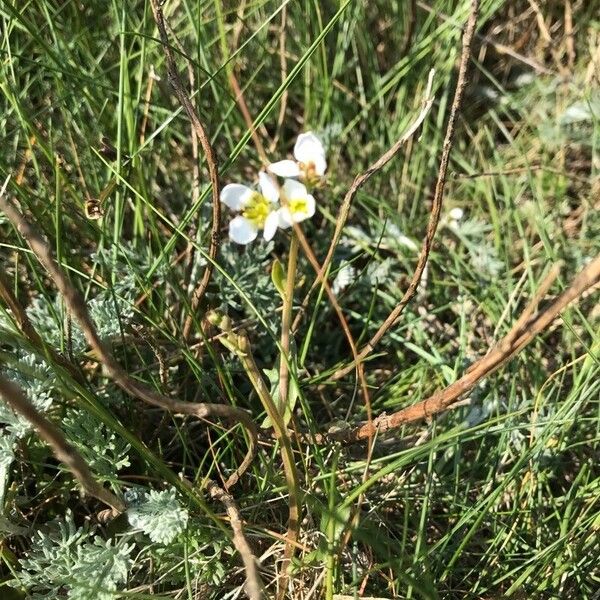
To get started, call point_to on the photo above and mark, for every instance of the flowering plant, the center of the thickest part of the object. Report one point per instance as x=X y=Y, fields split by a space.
x=310 y=163
x=258 y=210
x=277 y=206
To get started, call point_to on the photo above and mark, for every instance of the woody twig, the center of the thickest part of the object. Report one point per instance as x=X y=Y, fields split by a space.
x=527 y=327
x=54 y=437
x=211 y=161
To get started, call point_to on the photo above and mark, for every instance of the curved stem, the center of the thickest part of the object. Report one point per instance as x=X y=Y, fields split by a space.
x=54 y=437
x=211 y=162
x=239 y=344
x=78 y=308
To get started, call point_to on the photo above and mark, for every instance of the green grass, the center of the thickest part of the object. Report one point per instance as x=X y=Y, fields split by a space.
x=497 y=498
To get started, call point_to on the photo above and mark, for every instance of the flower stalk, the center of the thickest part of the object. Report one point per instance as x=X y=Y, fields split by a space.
x=286 y=323
x=239 y=344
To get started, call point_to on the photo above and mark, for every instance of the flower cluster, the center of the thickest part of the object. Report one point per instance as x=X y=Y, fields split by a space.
x=273 y=206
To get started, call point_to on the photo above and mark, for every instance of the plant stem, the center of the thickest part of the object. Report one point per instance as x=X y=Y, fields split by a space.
x=14 y=396
x=331 y=528
x=287 y=456
x=239 y=344
x=286 y=324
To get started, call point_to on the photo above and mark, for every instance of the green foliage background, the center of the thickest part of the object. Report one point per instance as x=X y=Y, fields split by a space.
x=498 y=497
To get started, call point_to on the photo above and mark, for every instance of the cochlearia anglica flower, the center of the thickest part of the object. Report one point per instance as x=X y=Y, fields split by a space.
x=310 y=163
x=257 y=210
x=298 y=204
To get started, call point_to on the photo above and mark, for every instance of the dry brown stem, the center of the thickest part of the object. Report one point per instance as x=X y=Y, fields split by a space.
x=569 y=35
x=356 y=184
x=254 y=585
x=438 y=194
x=78 y=309
x=521 y=334
x=63 y=451
x=238 y=94
x=360 y=372
x=211 y=162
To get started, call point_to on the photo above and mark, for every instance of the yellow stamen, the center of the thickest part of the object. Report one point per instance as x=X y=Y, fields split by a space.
x=298 y=206
x=257 y=210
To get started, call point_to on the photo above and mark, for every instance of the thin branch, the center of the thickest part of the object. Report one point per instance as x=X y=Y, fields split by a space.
x=322 y=270
x=195 y=155
x=239 y=344
x=438 y=195
x=360 y=372
x=194 y=138
x=238 y=93
x=518 y=337
x=64 y=452
x=359 y=181
x=78 y=308
x=298 y=235
x=569 y=35
x=254 y=584
x=191 y=249
x=213 y=170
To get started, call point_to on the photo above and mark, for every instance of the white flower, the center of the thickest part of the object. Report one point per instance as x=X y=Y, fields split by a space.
x=310 y=163
x=298 y=205
x=456 y=213
x=258 y=210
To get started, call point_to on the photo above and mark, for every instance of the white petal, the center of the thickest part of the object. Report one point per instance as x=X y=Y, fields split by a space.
x=294 y=190
x=284 y=217
x=320 y=165
x=310 y=206
x=268 y=188
x=271 y=223
x=235 y=195
x=285 y=168
x=242 y=231
x=310 y=210
x=309 y=148
x=456 y=213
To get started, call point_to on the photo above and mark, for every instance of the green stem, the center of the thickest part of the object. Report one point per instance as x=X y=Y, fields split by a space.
x=239 y=344
x=331 y=529
x=286 y=324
